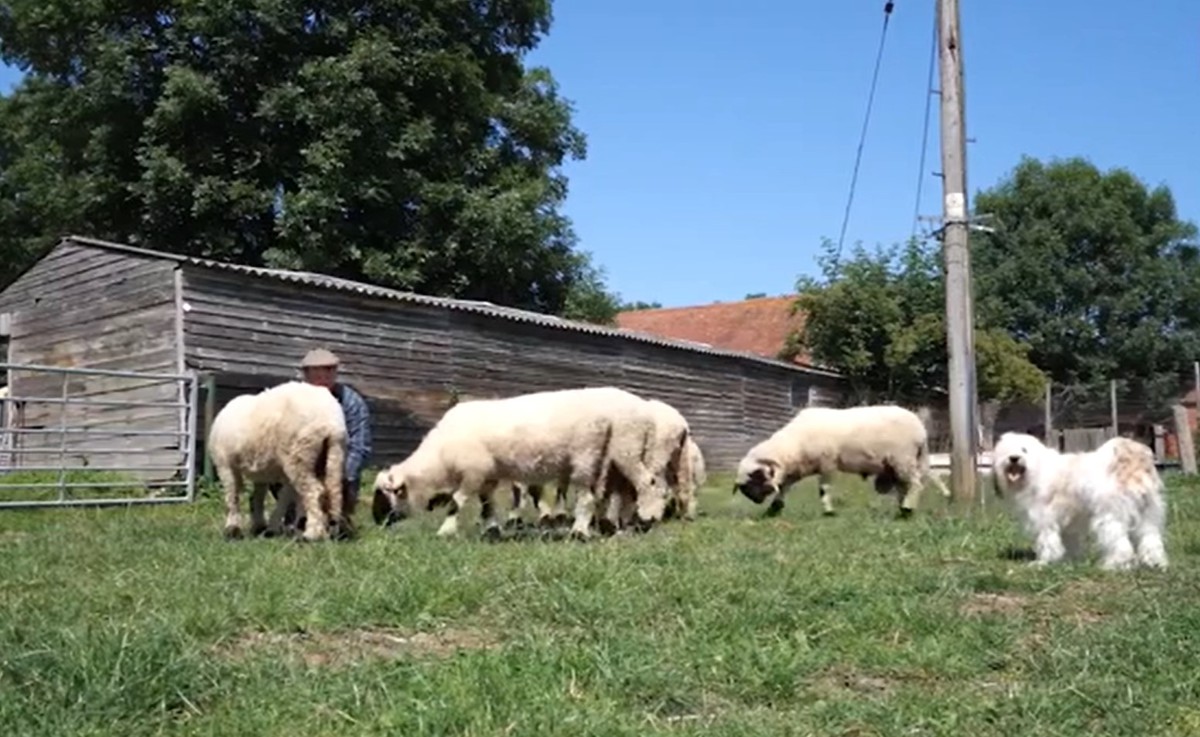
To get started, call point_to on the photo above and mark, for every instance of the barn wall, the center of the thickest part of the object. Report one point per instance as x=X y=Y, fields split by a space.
x=84 y=307
x=413 y=361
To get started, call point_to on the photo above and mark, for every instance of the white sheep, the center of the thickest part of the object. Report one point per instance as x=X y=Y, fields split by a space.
x=293 y=433
x=667 y=455
x=686 y=500
x=569 y=436
x=885 y=441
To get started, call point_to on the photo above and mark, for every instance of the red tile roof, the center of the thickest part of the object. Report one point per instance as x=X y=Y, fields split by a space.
x=759 y=326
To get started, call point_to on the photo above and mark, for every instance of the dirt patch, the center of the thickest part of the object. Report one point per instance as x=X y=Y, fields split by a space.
x=989 y=603
x=338 y=649
x=841 y=681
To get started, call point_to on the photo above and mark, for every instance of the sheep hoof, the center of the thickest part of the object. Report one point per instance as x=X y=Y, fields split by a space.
x=492 y=534
x=606 y=527
x=233 y=533
x=775 y=508
x=515 y=524
x=561 y=520
x=829 y=513
x=343 y=530
x=258 y=530
x=904 y=513
x=579 y=536
x=641 y=524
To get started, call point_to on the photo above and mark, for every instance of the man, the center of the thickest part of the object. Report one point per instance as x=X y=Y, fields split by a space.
x=320 y=368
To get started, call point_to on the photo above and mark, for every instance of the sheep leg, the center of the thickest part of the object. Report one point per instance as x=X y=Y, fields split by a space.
x=458 y=500
x=585 y=504
x=910 y=492
x=824 y=485
x=285 y=502
x=519 y=502
x=311 y=492
x=258 y=498
x=559 y=513
x=232 y=481
x=491 y=525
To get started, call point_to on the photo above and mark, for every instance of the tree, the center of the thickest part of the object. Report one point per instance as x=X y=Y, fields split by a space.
x=1093 y=271
x=640 y=305
x=404 y=143
x=589 y=299
x=878 y=318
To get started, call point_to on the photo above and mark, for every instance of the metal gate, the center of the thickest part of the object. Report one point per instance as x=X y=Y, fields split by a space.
x=93 y=437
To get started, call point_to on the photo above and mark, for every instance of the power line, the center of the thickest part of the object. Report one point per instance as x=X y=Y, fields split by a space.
x=887 y=14
x=925 y=126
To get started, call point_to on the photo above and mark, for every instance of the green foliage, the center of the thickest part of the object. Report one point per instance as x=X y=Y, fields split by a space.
x=406 y=144
x=878 y=318
x=1092 y=270
x=589 y=299
x=640 y=305
x=712 y=627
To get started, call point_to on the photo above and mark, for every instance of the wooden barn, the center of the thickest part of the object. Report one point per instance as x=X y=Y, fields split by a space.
x=102 y=305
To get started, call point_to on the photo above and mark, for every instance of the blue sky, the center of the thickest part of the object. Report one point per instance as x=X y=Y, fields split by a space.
x=722 y=135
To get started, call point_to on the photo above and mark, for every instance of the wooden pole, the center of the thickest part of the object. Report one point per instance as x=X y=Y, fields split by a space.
x=1183 y=431
x=959 y=317
x=210 y=411
x=1112 y=399
x=1049 y=414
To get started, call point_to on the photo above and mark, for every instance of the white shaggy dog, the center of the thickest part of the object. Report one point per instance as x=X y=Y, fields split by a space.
x=1114 y=492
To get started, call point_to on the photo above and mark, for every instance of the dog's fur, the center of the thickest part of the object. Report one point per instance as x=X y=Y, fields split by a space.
x=1114 y=492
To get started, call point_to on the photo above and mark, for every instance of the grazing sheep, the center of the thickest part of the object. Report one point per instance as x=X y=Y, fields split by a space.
x=569 y=436
x=1114 y=491
x=293 y=433
x=884 y=441
x=684 y=500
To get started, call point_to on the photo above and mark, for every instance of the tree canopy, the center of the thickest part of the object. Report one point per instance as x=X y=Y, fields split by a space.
x=879 y=319
x=405 y=142
x=1094 y=271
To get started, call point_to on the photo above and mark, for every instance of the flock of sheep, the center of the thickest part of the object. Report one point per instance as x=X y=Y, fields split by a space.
x=633 y=463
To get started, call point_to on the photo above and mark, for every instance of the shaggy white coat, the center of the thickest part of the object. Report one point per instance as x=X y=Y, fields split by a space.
x=1114 y=493
x=885 y=441
x=281 y=435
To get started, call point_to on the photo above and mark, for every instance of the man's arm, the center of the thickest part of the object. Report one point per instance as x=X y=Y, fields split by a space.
x=358 y=434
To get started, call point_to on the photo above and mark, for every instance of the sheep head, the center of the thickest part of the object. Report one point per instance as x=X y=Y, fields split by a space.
x=390 y=504
x=757 y=478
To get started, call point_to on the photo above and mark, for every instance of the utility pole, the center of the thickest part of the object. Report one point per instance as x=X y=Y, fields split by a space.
x=959 y=313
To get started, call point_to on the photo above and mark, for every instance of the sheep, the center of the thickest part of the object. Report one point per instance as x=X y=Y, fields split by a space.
x=565 y=436
x=668 y=454
x=292 y=433
x=684 y=501
x=884 y=441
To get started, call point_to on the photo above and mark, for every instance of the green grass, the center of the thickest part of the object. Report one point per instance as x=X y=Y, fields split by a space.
x=145 y=622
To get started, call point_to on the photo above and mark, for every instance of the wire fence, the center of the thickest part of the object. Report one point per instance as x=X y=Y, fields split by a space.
x=1080 y=417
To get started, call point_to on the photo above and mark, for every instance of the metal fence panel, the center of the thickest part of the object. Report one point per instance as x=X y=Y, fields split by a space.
x=74 y=437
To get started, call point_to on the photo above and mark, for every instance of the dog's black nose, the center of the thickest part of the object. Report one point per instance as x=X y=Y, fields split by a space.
x=1014 y=459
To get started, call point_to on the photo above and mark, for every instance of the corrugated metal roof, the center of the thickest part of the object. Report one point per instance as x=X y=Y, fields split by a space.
x=479 y=307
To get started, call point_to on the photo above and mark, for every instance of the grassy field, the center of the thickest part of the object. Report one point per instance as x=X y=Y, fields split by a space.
x=145 y=622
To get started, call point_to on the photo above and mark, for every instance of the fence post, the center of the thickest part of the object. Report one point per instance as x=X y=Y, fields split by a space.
x=210 y=409
x=1049 y=414
x=1112 y=398
x=1183 y=430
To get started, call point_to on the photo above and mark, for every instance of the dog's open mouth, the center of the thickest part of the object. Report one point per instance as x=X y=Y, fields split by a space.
x=1014 y=472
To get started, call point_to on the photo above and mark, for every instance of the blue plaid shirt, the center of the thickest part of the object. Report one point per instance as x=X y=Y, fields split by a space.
x=358 y=430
